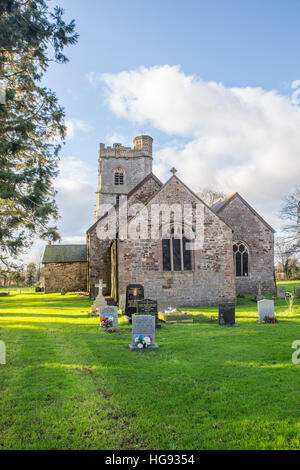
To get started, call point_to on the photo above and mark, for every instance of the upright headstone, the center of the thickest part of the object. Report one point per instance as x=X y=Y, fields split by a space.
x=143 y=325
x=227 y=314
x=134 y=293
x=265 y=309
x=297 y=291
x=100 y=300
x=280 y=292
x=148 y=307
x=110 y=311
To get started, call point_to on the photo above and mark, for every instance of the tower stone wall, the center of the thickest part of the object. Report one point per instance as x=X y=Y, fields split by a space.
x=135 y=164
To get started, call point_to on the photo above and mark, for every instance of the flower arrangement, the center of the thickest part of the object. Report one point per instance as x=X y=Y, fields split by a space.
x=270 y=320
x=143 y=341
x=106 y=322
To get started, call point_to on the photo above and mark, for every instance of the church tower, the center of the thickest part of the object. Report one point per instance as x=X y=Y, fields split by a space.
x=120 y=169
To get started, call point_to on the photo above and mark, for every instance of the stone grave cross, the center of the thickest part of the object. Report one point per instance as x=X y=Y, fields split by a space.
x=100 y=286
x=100 y=300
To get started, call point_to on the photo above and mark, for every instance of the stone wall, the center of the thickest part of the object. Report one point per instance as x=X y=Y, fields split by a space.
x=259 y=238
x=136 y=164
x=209 y=283
x=69 y=276
x=99 y=251
x=99 y=262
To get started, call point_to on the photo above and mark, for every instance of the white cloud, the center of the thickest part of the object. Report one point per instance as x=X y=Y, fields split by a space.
x=76 y=197
x=238 y=139
x=117 y=138
x=74 y=125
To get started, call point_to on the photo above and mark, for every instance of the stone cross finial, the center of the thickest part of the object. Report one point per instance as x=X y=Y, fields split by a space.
x=100 y=285
x=173 y=171
x=259 y=288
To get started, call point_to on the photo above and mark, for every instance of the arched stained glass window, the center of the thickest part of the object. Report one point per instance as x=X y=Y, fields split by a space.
x=241 y=259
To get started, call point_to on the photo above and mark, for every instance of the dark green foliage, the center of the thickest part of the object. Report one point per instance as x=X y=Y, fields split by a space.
x=31 y=274
x=31 y=121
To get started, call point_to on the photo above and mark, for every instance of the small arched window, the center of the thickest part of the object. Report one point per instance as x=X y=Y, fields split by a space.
x=176 y=252
x=241 y=259
x=119 y=177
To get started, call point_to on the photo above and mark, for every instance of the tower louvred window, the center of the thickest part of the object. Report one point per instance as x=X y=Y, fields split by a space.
x=119 y=177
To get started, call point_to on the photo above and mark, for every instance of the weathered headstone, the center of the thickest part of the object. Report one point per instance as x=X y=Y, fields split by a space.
x=110 y=311
x=143 y=325
x=297 y=291
x=148 y=307
x=265 y=309
x=227 y=314
x=100 y=300
x=280 y=292
x=134 y=293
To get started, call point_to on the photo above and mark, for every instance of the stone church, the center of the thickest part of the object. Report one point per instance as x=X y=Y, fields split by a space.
x=235 y=255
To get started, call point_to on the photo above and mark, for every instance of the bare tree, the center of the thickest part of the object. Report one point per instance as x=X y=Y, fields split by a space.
x=210 y=196
x=285 y=256
x=291 y=213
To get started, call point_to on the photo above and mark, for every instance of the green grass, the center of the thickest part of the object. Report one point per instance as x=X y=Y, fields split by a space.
x=67 y=385
x=15 y=290
x=289 y=285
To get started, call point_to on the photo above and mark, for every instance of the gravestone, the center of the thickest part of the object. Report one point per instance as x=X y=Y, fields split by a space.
x=280 y=292
x=227 y=314
x=148 y=307
x=110 y=311
x=144 y=325
x=265 y=309
x=100 y=300
x=297 y=291
x=134 y=293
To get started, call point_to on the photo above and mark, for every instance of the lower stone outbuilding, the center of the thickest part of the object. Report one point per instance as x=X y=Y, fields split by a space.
x=65 y=268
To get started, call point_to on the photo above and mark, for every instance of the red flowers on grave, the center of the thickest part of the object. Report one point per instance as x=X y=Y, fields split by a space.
x=270 y=320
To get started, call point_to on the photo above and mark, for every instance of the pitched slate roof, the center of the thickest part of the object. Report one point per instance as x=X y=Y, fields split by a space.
x=218 y=205
x=217 y=208
x=65 y=254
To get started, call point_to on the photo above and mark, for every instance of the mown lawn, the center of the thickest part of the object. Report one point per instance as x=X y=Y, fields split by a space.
x=67 y=385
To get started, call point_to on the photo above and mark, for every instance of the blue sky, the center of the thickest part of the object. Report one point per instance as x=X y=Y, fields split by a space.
x=223 y=68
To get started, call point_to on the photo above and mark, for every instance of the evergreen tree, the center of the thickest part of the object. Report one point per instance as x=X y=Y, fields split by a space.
x=30 y=274
x=31 y=121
